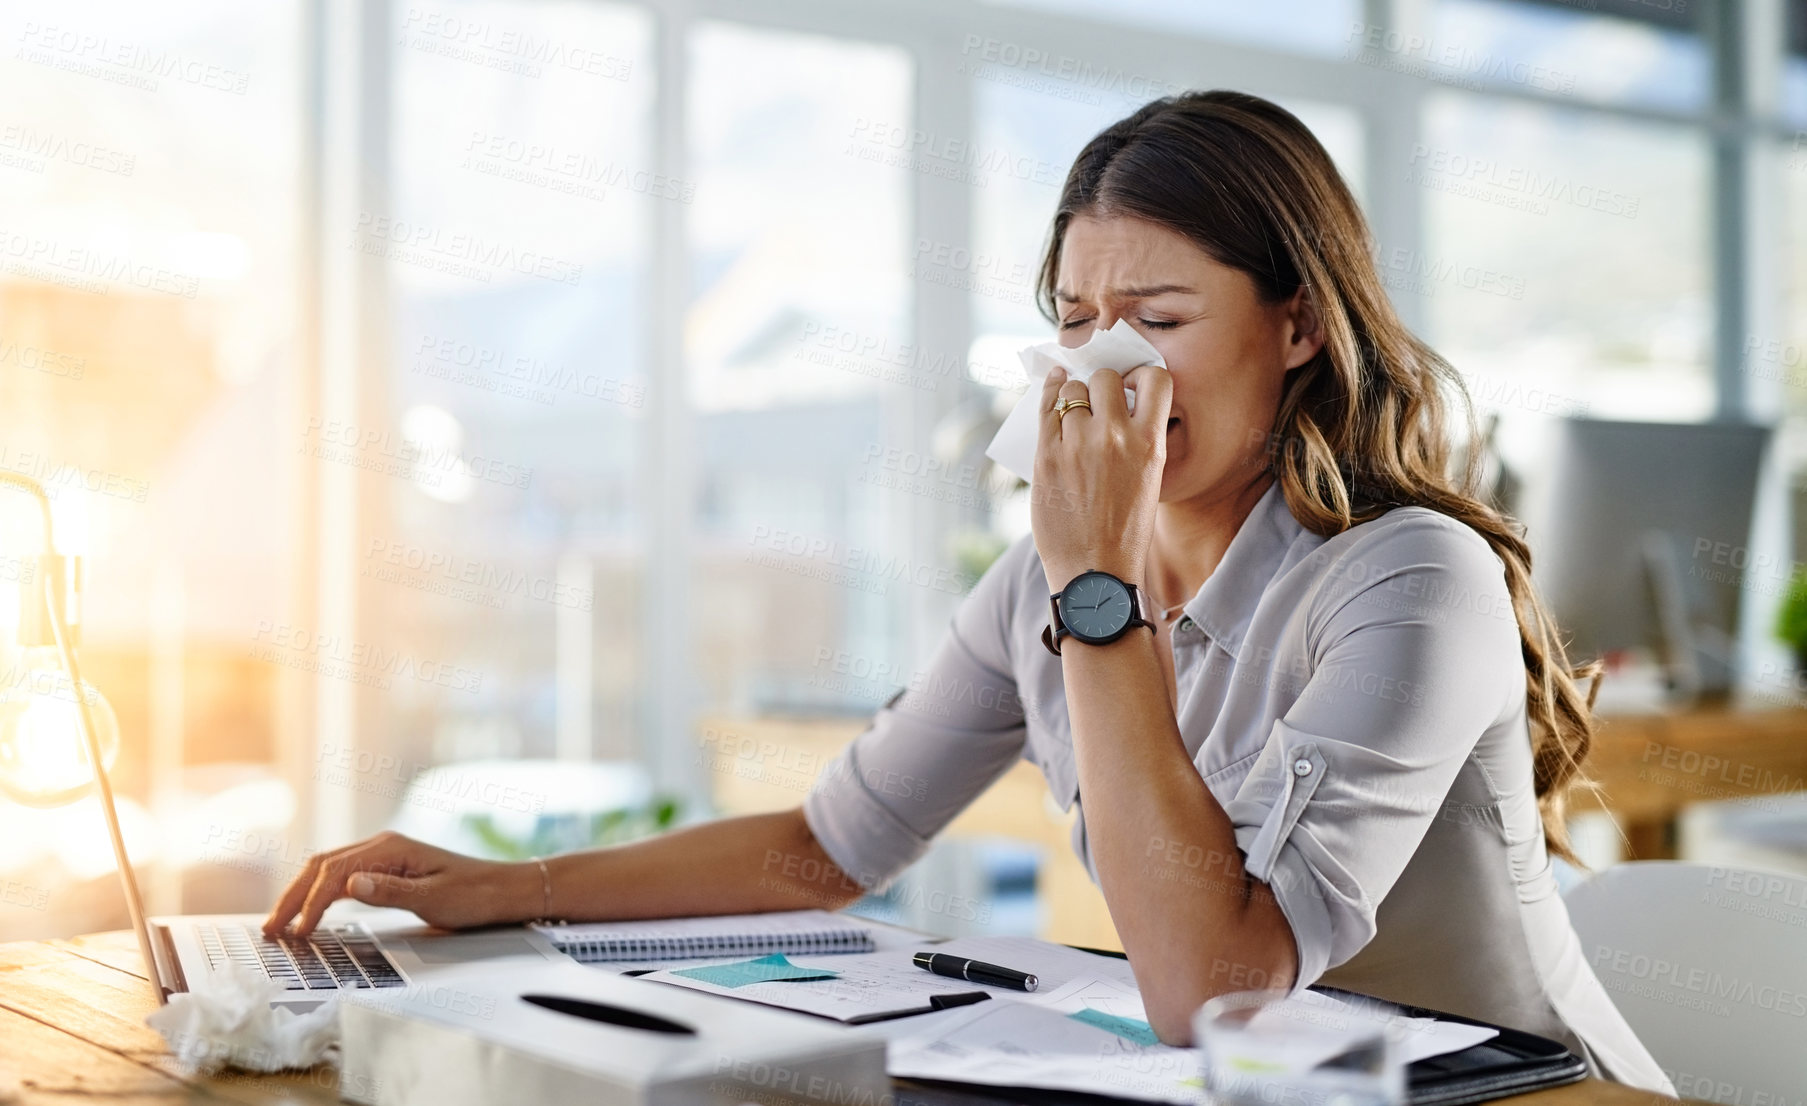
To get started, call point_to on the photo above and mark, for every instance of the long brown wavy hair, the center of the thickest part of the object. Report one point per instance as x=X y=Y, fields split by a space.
x=1363 y=427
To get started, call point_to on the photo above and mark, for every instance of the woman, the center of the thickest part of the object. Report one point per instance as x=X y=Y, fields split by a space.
x=1334 y=745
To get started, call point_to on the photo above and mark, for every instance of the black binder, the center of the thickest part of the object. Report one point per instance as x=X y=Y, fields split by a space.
x=1515 y=1062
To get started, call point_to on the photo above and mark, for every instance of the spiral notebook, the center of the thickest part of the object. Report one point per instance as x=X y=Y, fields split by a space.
x=794 y=932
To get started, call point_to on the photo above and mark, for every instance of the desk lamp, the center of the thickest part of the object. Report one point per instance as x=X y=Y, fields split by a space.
x=58 y=736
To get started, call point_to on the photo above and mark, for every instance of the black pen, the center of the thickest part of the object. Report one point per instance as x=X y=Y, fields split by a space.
x=974 y=971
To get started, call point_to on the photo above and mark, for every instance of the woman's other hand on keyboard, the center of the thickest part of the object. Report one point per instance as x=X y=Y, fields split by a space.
x=444 y=888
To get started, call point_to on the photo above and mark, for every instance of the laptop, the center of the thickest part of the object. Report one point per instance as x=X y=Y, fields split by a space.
x=392 y=950
x=388 y=949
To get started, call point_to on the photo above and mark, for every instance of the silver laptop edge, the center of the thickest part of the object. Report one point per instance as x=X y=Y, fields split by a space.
x=162 y=942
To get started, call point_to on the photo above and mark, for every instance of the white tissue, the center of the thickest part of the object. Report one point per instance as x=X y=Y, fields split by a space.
x=228 y=1022
x=1120 y=349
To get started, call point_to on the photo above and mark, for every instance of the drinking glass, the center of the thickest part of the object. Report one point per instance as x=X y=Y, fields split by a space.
x=1266 y=1048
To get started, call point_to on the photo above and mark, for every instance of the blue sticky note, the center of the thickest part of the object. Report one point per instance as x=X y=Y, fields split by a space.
x=767 y=969
x=1137 y=1032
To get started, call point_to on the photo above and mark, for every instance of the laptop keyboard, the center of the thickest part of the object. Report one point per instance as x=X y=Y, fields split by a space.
x=344 y=956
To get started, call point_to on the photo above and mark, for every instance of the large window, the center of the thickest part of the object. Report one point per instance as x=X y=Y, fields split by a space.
x=1321 y=27
x=410 y=384
x=799 y=313
x=149 y=175
x=1793 y=93
x=1792 y=157
x=1565 y=259
x=523 y=188
x=1634 y=53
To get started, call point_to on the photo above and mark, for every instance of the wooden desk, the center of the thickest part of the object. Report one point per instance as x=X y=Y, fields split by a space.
x=1650 y=767
x=72 y=1030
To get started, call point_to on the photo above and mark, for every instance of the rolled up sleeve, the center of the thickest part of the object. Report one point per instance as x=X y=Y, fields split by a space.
x=933 y=748
x=1412 y=654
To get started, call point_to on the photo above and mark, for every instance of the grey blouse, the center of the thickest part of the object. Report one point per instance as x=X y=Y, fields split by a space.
x=1356 y=704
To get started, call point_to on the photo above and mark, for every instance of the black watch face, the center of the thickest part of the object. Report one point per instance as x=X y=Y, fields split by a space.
x=1095 y=606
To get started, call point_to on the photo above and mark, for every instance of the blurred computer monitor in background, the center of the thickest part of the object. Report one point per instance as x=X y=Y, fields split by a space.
x=1640 y=538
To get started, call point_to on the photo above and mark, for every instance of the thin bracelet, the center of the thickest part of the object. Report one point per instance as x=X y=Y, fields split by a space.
x=545 y=890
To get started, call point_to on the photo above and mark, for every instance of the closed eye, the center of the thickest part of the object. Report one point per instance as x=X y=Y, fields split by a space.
x=1152 y=324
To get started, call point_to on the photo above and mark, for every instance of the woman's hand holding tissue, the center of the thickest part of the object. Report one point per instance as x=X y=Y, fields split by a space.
x=444 y=888
x=1098 y=473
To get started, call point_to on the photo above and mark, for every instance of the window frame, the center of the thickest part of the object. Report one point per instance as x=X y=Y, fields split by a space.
x=344 y=335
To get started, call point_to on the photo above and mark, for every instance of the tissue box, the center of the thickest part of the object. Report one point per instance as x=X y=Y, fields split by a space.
x=534 y=1035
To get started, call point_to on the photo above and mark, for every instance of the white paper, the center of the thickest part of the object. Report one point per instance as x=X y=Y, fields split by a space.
x=888 y=981
x=1107 y=996
x=1417 y=1038
x=1020 y=1044
x=1031 y=1039
x=1038 y=1043
x=1427 y=1037
x=870 y=983
x=1119 y=349
x=227 y=1021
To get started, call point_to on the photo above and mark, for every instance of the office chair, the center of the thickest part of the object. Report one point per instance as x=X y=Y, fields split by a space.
x=1709 y=966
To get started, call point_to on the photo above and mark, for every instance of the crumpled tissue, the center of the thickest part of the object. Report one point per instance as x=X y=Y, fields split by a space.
x=1119 y=349
x=227 y=1021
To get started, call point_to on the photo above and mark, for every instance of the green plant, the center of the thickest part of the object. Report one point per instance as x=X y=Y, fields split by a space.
x=974 y=551
x=562 y=833
x=1791 y=620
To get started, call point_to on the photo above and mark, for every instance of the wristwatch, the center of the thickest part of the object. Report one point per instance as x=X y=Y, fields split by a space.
x=1096 y=608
